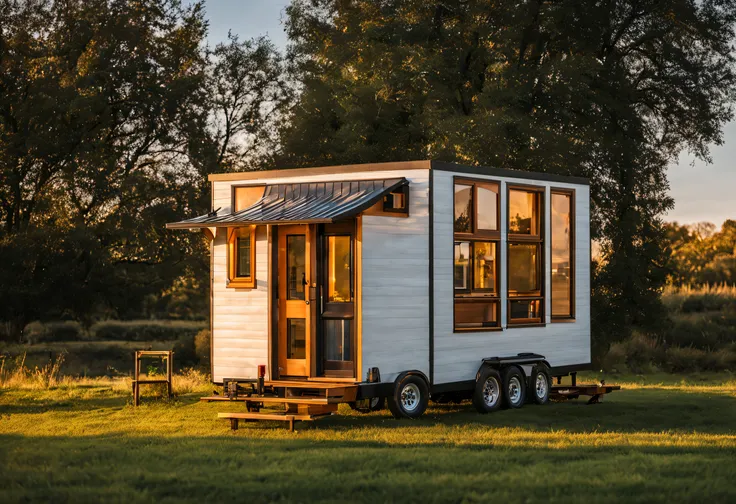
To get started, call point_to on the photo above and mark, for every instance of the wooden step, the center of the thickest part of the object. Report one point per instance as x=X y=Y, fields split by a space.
x=305 y=384
x=291 y=418
x=274 y=400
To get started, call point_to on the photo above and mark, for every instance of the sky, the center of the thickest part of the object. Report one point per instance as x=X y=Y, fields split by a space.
x=702 y=192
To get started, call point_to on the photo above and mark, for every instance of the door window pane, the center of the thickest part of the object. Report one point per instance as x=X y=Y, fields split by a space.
x=463 y=208
x=487 y=207
x=523 y=212
x=524 y=271
x=337 y=340
x=242 y=247
x=561 y=255
x=339 y=269
x=296 y=338
x=526 y=309
x=462 y=265
x=295 y=266
x=475 y=314
x=484 y=266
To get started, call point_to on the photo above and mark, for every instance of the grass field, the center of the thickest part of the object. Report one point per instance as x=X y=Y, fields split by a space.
x=662 y=439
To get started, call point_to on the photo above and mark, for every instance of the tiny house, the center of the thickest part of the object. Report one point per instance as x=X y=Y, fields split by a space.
x=404 y=280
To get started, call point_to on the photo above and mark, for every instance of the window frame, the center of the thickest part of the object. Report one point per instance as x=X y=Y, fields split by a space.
x=472 y=295
x=234 y=281
x=523 y=239
x=573 y=237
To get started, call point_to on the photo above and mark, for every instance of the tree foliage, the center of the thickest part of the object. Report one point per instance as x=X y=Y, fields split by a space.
x=109 y=125
x=702 y=255
x=611 y=90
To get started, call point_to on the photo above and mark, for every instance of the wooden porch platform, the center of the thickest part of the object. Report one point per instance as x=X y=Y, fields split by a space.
x=595 y=391
x=301 y=401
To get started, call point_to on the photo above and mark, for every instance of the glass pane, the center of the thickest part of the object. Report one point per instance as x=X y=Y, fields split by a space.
x=475 y=314
x=463 y=208
x=561 y=256
x=524 y=268
x=339 y=269
x=242 y=248
x=462 y=265
x=295 y=266
x=484 y=266
x=525 y=310
x=296 y=338
x=487 y=207
x=337 y=340
x=523 y=214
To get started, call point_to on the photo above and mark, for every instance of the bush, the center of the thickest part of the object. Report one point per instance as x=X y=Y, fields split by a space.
x=115 y=330
x=184 y=351
x=37 y=332
x=202 y=346
x=688 y=359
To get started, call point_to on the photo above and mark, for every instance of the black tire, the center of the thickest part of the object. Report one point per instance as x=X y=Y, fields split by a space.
x=368 y=405
x=488 y=393
x=538 y=389
x=410 y=397
x=514 y=388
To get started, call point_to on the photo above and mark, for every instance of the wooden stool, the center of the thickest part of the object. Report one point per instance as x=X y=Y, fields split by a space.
x=137 y=382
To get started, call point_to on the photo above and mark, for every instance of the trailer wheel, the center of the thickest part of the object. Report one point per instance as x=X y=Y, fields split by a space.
x=514 y=391
x=488 y=391
x=410 y=397
x=368 y=405
x=540 y=384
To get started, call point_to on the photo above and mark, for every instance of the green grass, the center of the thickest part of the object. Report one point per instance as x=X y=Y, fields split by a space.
x=663 y=439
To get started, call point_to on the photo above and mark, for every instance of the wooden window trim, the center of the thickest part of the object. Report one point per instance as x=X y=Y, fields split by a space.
x=517 y=239
x=573 y=237
x=478 y=235
x=233 y=281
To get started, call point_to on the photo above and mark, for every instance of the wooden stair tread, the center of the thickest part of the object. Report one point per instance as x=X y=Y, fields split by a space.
x=308 y=384
x=267 y=416
x=275 y=400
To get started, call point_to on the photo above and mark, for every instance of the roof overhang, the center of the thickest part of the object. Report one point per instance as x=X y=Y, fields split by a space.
x=302 y=203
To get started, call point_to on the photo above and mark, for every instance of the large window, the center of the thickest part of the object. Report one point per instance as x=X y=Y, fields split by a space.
x=241 y=253
x=525 y=255
x=475 y=269
x=562 y=236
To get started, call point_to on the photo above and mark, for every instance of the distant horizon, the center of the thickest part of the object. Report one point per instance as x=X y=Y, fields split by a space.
x=702 y=192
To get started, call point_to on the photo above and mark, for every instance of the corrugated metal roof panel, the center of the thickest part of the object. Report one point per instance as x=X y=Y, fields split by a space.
x=312 y=202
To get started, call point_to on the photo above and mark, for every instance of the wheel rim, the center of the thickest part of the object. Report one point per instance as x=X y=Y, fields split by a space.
x=490 y=392
x=541 y=386
x=514 y=390
x=410 y=397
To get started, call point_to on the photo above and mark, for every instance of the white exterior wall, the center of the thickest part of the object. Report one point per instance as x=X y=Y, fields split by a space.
x=395 y=286
x=457 y=356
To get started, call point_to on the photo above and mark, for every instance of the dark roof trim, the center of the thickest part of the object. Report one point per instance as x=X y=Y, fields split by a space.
x=503 y=172
x=302 y=203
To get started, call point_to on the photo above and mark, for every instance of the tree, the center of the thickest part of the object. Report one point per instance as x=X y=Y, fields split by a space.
x=249 y=91
x=610 y=90
x=102 y=104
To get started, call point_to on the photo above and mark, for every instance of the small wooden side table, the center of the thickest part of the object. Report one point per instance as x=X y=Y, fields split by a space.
x=137 y=382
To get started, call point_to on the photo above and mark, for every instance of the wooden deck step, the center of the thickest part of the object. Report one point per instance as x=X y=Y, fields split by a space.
x=274 y=400
x=291 y=418
x=306 y=384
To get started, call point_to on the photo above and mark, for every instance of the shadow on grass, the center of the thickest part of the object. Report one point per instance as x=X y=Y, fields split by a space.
x=234 y=468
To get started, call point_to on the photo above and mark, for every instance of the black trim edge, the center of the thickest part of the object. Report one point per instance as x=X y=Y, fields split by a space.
x=574 y=368
x=460 y=386
x=504 y=172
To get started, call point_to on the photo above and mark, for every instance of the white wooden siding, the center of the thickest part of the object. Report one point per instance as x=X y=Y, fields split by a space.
x=395 y=259
x=395 y=286
x=458 y=355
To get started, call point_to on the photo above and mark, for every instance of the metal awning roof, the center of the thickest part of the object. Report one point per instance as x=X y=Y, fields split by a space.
x=305 y=203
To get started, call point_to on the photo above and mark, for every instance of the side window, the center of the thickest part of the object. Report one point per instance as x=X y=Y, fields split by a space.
x=525 y=255
x=477 y=243
x=562 y=262
x=241 y=257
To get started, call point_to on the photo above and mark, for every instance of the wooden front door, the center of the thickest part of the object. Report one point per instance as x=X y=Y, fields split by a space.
x=295 y=319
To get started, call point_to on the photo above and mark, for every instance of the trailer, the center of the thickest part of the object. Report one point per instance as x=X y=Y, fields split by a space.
x=396 y=283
